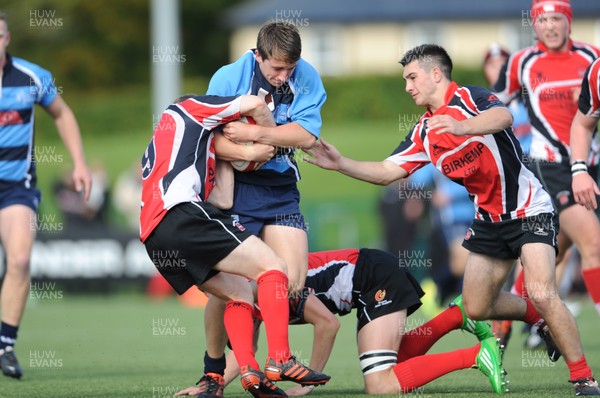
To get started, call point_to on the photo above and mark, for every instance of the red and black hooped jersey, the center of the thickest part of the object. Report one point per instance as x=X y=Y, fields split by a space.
x=589 y=99
x=329 y=277
x=488 y=166
x=179 y=163
x=549 y=84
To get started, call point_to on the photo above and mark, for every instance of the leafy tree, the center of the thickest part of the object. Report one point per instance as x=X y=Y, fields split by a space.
x=90 y=44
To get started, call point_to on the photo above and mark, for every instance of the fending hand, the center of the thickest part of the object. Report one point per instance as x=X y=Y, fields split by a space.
x=324 y=155
x=446 y=124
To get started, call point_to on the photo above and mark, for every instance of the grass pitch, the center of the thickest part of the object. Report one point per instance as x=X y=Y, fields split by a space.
x=128 y=346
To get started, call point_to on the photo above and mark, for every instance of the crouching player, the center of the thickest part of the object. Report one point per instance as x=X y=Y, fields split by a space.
x=384 y=295
x=190 y=240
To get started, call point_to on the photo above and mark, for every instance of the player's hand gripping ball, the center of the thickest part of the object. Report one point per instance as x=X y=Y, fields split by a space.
x=243 y=165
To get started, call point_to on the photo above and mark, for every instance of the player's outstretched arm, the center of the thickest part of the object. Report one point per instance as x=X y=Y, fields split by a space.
x=487 y=122
x=325 y=328
x=326 y=156
x=584 y=187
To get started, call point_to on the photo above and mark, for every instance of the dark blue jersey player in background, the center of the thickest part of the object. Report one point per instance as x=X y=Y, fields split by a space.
x=23 y=85
x=266 y=201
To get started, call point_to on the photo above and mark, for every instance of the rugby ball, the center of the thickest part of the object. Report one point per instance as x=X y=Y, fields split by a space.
x=243 y=165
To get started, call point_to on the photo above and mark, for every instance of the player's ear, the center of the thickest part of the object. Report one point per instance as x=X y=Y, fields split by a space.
x=257 y=56
x=437 y=74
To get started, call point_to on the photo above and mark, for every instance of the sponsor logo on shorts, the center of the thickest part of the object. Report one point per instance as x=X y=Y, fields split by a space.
x=380 y=298
x=380 y=295
x=470 y=233
x=235 y=221
x=563 y=197
x=540 y=231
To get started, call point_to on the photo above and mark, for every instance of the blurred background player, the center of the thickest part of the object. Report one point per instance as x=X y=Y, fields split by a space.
x=494 y=59
x=583 y=133
x=23 y=85
x=84 y=219
x=547 y=76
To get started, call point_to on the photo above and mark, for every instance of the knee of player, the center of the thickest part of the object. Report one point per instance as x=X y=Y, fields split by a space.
x=18 y=263
x=236 y=290
x=275 y=263
x=384 y=383
x=295 y=283
x=543 y=299
x=591 y=251
x=333 y=324
x=244 y=295
x=330 y=325
x=474 y=311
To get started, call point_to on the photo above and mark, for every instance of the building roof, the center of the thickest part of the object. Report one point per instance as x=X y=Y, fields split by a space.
x=257 y=12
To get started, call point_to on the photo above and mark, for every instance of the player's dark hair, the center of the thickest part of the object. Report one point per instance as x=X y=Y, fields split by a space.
x=183 y=98
x=281 y=40
x=429 y=56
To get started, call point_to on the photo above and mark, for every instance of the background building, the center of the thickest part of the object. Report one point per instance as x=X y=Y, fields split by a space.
x=349 y=37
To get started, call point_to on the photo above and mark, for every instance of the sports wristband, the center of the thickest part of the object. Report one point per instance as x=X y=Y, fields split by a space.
x=578 y=166
x=574 y=173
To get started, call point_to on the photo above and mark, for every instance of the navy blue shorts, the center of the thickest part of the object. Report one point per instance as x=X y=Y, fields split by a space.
x=255 y=206
x=19 y=193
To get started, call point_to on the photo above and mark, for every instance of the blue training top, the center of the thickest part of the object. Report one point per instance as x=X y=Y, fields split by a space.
x=23 y=85
x=298 y=100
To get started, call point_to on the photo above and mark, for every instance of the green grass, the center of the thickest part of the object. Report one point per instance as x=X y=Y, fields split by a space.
x=107 y=347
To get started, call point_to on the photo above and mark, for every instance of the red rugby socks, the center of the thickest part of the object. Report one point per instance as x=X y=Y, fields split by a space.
x=274 y=307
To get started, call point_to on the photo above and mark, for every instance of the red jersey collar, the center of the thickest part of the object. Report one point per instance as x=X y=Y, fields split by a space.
x=447 y=98
x=543 y=47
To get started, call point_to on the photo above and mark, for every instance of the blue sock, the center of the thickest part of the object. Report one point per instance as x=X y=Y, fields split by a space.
x=8 y=335
x=214 y=365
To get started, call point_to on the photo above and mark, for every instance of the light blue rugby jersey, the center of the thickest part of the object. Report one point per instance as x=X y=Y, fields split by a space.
x=24 y=84
x=298 y=100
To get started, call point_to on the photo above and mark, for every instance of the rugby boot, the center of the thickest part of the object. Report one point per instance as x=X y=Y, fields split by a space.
x=585 y=387
x=211 y=386
x=257 y=384
x=293 y=370
x=489 y=362
x=9 y=364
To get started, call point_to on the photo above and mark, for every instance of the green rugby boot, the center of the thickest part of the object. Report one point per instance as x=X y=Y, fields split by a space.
x=489 y=362
x=478 y=328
